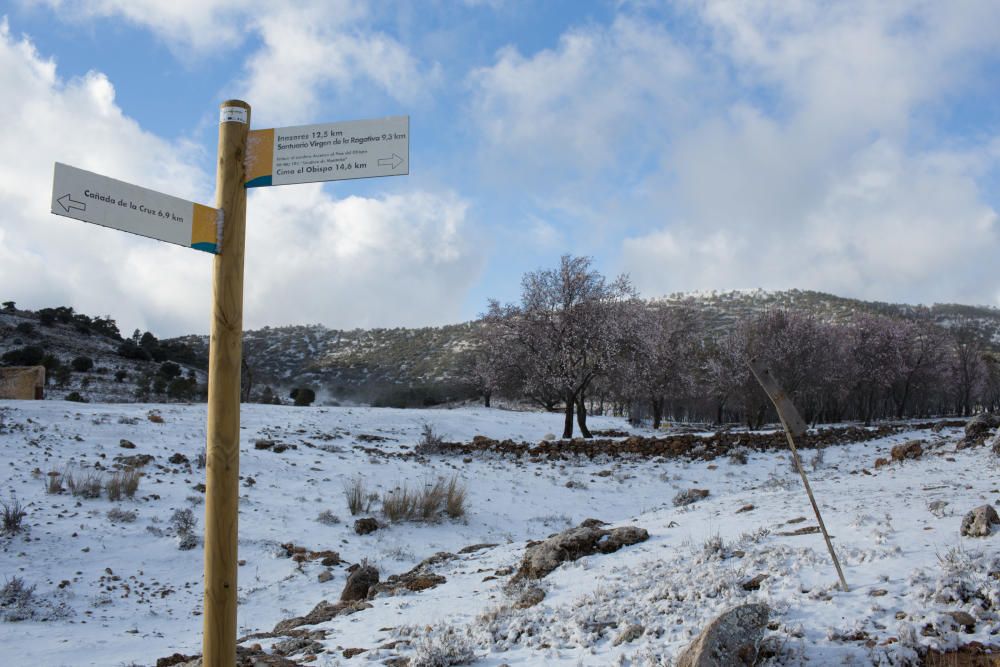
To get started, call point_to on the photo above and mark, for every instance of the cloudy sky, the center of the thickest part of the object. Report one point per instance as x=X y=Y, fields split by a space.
x=848 y=147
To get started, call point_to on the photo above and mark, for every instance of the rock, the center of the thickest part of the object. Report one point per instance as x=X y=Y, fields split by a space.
x=730 y=640
x=420 y=578
x=365 y=526
x=178 y=459
x=324 y=576
x=321 y=613
x=963 y=618
x=358 y=583
x=629 y=634
x=263 y=444
x=530 y=597
x=881 y=462
x=549 y=437
x=472 y=548
x=296 y=645
x=689 y=496
x=351 y=652
x=127 y=444
x=979 y=428
x=977 y=522
x=907 y=450
x=745 y=508
x=586 y=539
x=134 y=461
x=754 y=584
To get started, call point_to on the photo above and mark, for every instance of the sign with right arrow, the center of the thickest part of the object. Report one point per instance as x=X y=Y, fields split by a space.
x=329 y=152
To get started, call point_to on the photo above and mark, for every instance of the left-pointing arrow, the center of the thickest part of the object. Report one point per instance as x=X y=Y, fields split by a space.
x=70 y=204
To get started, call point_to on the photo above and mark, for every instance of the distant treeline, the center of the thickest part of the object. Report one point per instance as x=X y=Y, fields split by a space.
x=579 y=343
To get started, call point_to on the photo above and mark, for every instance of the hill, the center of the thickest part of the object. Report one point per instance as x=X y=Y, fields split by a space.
x=387 y=367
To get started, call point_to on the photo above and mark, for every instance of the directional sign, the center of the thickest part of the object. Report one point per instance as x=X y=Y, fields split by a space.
x=84 y=195
x=329 y=152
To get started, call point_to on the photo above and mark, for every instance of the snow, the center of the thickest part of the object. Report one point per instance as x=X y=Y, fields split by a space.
x=900 y=547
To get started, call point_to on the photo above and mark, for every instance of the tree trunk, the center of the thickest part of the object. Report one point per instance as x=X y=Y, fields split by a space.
x=657 y=405
x=486 y=399
x=581 y=417
x=568 y=425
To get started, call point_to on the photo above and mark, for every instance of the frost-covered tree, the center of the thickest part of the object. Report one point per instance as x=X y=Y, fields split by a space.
x=565 y=333
x=660 y=357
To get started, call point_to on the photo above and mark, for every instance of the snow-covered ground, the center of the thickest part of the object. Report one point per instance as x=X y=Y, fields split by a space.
x=120 y=592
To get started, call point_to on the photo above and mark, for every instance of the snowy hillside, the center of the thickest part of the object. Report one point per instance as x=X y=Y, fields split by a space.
x=112 y=586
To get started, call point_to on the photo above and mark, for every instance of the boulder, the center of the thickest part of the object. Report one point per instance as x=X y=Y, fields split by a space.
x=979 y=428
x=359 y=581
x=321 y=613
x=365 y=526
x=907 y=450
x=730 y=640
x=586 y=539
x=978 y=522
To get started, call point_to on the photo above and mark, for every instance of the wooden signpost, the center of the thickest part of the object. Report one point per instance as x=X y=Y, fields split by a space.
x=303 y=154
x=794 y=426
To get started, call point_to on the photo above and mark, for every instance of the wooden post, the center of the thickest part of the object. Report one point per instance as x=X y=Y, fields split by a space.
x=225 y=352
x=791 y=421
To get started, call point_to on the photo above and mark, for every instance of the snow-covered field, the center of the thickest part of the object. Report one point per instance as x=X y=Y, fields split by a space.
x=121 y=592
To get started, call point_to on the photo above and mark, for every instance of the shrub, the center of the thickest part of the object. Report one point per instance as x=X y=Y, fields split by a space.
x=303 y=396
x=75 y=397
x=124 y=483
x=431 y=500
x=426 y=504
x=154 y=417
x=12 y=514
x=430 y=441
x=454 y=504
x=399 y=504
x=358 y=498
x=118 y=515
x=31 y=355
x=328 y=518
x=443 y=649
x=86 y=485
x=82 y=364
x=16 y=600
x=184 y=523
x=169 y=370
x=25 y=328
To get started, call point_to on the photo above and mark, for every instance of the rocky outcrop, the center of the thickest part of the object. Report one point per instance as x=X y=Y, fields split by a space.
x=731 y=640
x=979 y=429
x=907 y=450
x=980 y=521
x=588 y=538
x=359 y=582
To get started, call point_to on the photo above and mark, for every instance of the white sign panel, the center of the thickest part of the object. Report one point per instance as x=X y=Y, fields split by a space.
x=84 y=195
x=329 y=152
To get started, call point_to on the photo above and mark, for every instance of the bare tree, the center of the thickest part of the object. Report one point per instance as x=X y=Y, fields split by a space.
x=565 y=333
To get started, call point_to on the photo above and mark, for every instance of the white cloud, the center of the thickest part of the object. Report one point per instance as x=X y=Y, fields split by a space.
x=393 y=261
x=597 y=106
x=308 y=53
x=402 y=260
x=775 y=144
x=202 y=25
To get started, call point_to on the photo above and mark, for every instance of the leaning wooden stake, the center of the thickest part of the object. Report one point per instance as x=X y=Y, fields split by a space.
x=792 y=422
x=223 y=454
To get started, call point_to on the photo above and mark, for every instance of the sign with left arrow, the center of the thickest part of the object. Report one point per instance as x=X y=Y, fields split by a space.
x=84 y=195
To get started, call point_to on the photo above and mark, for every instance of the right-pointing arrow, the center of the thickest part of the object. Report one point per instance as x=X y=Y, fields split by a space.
x=69 y=204
x=393 y=161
